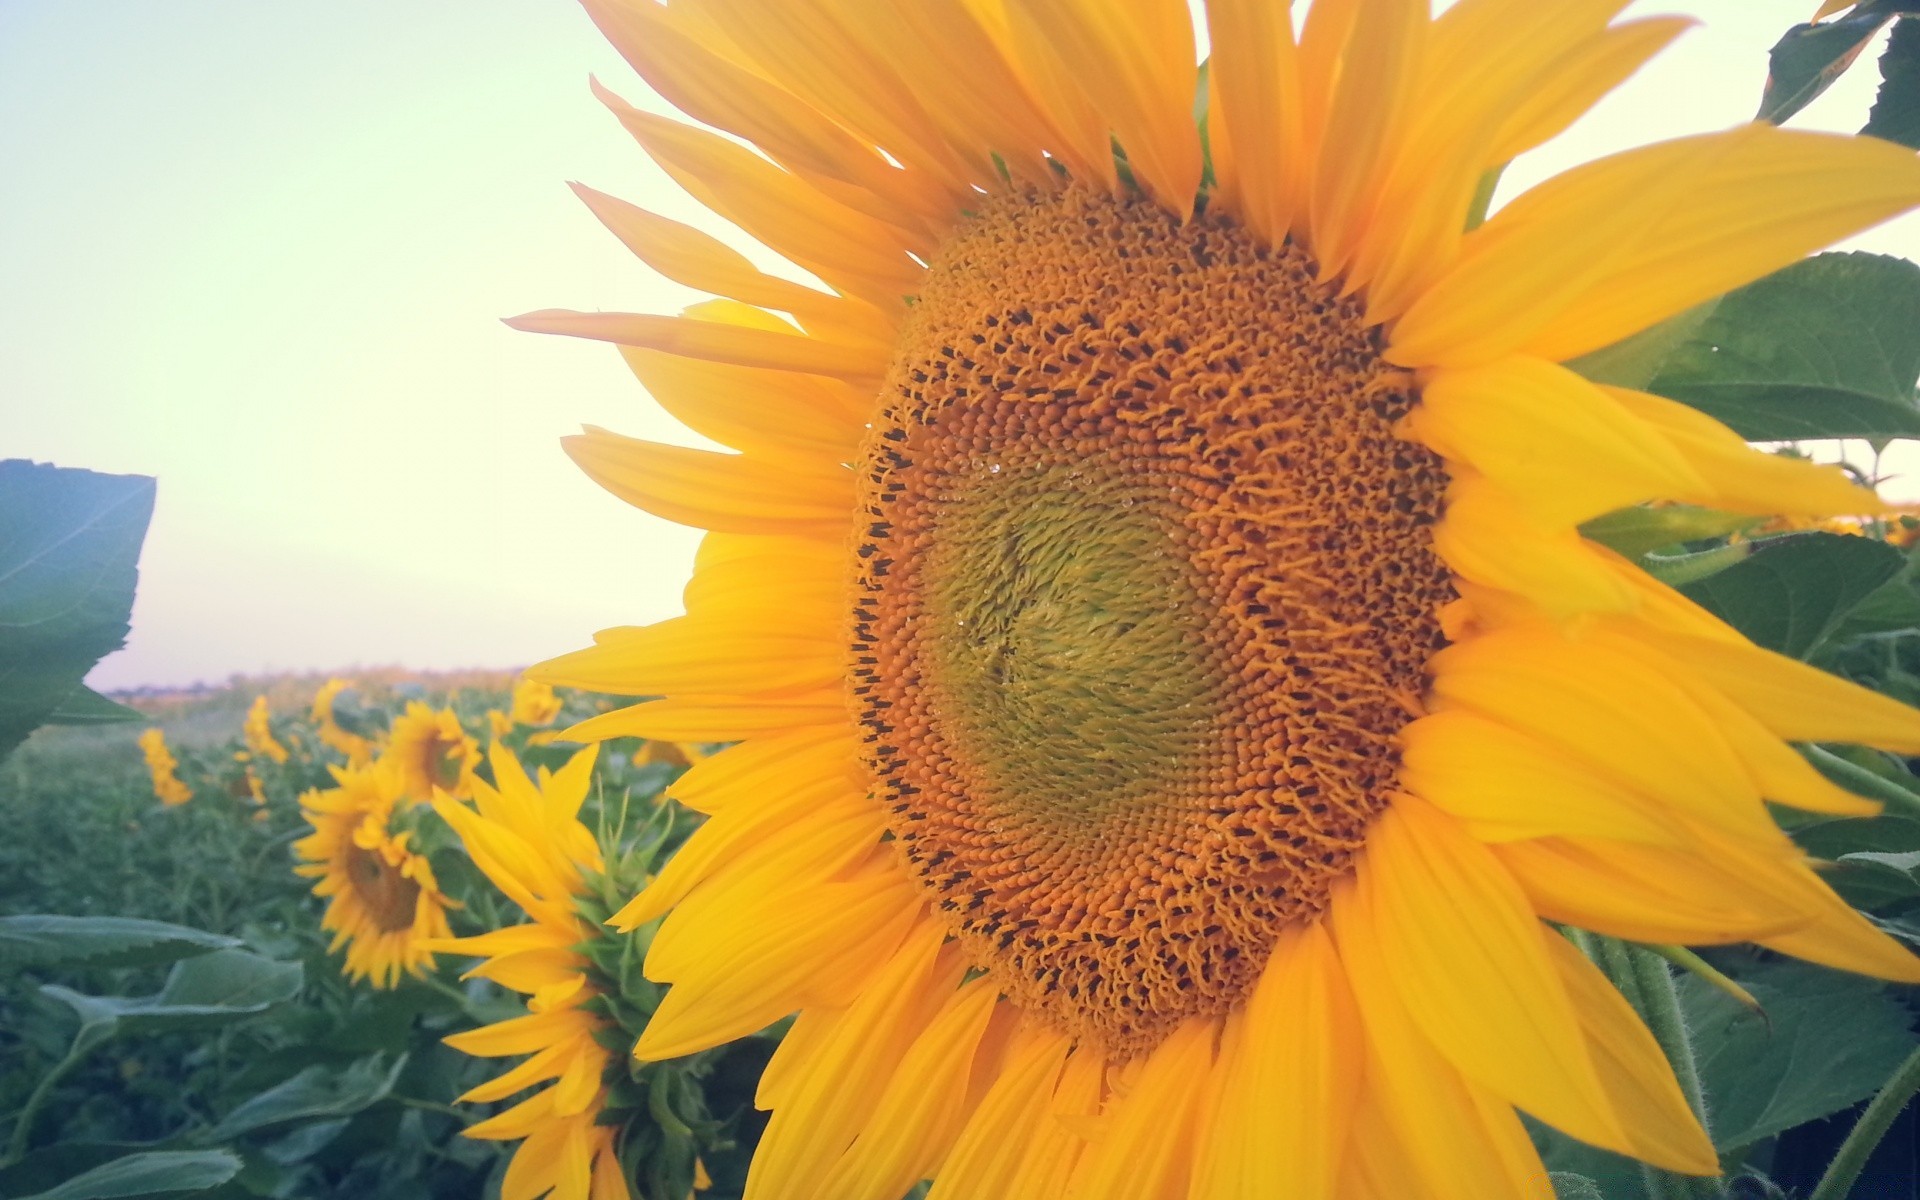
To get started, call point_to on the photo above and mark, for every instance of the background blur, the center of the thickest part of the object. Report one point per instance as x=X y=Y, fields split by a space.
x=260 y=250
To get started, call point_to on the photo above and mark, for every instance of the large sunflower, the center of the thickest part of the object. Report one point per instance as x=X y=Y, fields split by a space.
x=384 y=905
x=1170 y=684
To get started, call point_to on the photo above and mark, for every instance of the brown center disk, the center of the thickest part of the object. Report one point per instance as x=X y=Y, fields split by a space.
x=389 y=896
x=1147 y=590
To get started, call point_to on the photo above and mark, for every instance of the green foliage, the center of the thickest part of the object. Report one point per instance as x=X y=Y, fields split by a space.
x=1793 y=593
x=1896 y=110
x=43 y=940
x=68 y=559
x=154 y=1173
x=1822 y=349
x=1806 y=61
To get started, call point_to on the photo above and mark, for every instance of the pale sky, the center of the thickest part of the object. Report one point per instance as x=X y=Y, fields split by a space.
x=259 y=249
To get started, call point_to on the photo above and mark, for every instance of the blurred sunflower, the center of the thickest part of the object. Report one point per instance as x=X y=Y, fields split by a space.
x=430 y=750
x=383 y=903
x=527 y=839
x=534 y=704
x=257 y=731
x=358 y=749
x=1170 y=684
x=167 y=786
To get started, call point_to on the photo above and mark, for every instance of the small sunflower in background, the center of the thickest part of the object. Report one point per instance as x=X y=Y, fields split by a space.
x=1171 y=685
x=357 y=749
x=526 y=837
x=384 y=905
x=430 y=750
x=257 y=731
x=168 y=788
x=534 y=705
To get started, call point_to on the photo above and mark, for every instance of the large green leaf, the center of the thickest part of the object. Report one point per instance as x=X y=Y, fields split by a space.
x=1828 y=1040
x=1793 y=592
x=69 y=555
x=1568 y=1186
x=315 y=1092
x=155 y=1173
x=209 y=990
x=45 y=939
x=1826 y=348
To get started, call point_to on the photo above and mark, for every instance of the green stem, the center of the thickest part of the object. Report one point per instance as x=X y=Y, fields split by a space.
x=1643 y=978
x=1846 y=1166
x=42 y=1092
x=1864 y=782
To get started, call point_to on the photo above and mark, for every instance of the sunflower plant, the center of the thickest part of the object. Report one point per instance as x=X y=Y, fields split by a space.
x=1245 y=665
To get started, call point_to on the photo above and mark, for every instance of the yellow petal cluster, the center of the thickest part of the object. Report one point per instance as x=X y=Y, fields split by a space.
x=161 y=764
x=527 y=838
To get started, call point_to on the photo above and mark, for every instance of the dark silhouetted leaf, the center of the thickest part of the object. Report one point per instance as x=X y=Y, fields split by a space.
x=69 y=555
x=1896 y=109
x=314 y=1092
x=84 y=706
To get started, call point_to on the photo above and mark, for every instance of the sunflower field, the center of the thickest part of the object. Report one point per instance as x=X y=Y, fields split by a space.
x=1222 y=664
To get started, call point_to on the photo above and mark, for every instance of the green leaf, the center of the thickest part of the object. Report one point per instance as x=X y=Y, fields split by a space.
x=155 y=1173
x=1793 y=592
x=315 y=1092
x=211 y=989
x=1828 y=1041
x=1874 y=878
x=47 y=939
x=1568 y=1186
x=1807 y=60
x=84 y=706
x=69 y=555
x=1644 y=529
x=1633 y=362
x=1825 y=348
x=1896 y=109
x=44 y=939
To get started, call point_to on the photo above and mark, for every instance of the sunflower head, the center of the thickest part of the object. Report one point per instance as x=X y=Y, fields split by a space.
x=586 y=1002
x=1171 y=683
x=258 y=732
x=357 y=748
x=430 y=751
x=384 y=905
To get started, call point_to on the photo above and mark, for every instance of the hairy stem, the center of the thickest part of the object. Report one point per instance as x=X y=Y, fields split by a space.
x=1873 y=1124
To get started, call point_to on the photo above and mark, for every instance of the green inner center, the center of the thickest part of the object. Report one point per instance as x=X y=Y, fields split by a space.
x=1074 y=680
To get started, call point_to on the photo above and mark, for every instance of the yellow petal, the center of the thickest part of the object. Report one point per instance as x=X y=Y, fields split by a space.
x=763 y=960
x=826 y=827
x=1644 y=893
x=1505 y=786
x=1373 y=90
x=1146 y=1151
x=687 y=655
x=714 y=341
x=1257 y=107
x=524 y=1035
x=1144 y=82
x=1741 y=478
x=924 y=1104
x=545 y=1064
x=1487 y=536
x=773 y=415
x=1085 y=146
x=1610 y=248
x=716 y=718
x=1299 y=1051
x=1447 y=1137
x=728 y=492
x=1558 y=444
x=1618 y=717
x=751 y=771
x=715 y=90
x=1469 y=958
x=1661 y=1128
x=801 y=45
x=985 y=1161
x=828 y=1099
x=1580 y=78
